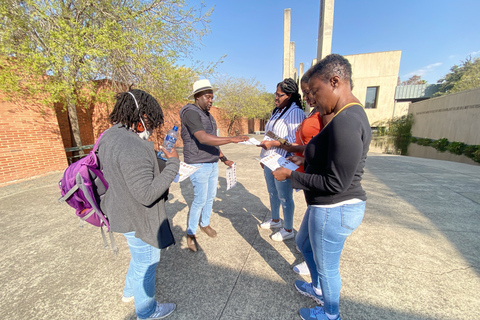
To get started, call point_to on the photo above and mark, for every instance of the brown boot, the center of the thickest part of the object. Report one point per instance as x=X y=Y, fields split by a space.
x=209 y=230
x=192 y=242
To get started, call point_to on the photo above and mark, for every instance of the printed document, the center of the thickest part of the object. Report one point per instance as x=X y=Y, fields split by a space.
x=184 y=172
x=275 y=161
x=231 y=176
x=251 y=141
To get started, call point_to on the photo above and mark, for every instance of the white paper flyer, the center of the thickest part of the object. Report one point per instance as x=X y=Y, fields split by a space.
x=251 y=141
x=184 y=172
x=275 y=161
x=231 y=176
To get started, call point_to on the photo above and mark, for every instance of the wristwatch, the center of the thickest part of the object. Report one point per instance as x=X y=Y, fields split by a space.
x=223 y=158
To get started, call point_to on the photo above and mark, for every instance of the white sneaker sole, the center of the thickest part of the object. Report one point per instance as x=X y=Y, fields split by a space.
x=270 y=226
x=306 y=294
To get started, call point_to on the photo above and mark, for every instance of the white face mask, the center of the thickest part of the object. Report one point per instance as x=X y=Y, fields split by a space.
x=144 y=135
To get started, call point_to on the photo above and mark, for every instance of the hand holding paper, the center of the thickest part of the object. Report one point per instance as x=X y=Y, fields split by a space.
x=275 y=161
x=251 y=141
x=282 y=173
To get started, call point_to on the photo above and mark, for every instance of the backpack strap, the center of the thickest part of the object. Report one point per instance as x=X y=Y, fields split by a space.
x=68 y=194
x=87 y=195
x=95 y=146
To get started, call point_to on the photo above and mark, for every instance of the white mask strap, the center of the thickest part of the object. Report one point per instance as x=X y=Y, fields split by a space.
x=136 y=104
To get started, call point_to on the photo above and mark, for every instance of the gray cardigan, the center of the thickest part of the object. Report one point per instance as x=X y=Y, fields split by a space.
x=132 y=201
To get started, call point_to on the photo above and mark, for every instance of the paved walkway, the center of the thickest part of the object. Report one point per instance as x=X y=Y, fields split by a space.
x=415 y=256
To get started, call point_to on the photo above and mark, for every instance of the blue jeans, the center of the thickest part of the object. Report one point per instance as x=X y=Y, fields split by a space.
x=280 y=192
x=204 y=182
x=140 y=279
x=320 y=238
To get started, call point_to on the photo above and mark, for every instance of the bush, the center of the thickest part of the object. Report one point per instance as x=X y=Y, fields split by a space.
x=476 y=155
x=470 y=151
x=424 y=142
x=440 y=144
x=456 y=147
x=381 y=131
x=400 y=129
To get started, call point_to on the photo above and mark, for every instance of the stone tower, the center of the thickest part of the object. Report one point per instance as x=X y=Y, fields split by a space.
x=286 y=44
x=325 y=29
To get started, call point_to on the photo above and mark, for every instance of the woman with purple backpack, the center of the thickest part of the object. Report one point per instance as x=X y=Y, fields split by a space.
x=135 y=199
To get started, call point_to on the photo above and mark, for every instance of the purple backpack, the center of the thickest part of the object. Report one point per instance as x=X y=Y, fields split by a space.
x=82 y=187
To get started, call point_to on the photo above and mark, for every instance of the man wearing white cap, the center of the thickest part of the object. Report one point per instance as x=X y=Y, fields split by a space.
x=201 y=149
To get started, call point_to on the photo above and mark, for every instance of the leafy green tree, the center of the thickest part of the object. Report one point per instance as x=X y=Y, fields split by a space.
x=413 y=80
x=470 y=79
x=242 y=98
x=461 y=77
x=64 y=46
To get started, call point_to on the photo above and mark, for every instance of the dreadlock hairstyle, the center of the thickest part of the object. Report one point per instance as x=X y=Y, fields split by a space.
x=333 y=65
x=289 y=86
x=126 y=112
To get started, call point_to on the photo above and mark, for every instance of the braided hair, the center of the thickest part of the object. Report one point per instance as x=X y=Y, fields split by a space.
x=289 y=86
x=126 y=112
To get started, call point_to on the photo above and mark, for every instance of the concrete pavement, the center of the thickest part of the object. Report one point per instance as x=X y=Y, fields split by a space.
x=415 y=256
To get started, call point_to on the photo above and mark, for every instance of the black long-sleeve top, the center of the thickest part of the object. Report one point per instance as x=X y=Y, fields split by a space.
x=335 y=159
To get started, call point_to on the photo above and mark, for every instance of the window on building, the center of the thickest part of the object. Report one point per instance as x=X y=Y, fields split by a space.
x=371 y=99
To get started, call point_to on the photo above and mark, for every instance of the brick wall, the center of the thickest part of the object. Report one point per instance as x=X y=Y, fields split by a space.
x=33 y=137
x=30 y=141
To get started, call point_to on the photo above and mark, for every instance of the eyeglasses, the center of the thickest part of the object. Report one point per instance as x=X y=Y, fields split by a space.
x=279 y=95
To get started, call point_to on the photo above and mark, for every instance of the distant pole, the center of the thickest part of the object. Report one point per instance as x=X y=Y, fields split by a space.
x=301 y=71
x=325 y=29
x=292 y=61
x=286 y=44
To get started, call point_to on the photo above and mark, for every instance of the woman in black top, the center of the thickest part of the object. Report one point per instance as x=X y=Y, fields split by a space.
x=334 y=162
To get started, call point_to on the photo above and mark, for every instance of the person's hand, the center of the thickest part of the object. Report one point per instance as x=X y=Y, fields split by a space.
x=282 y=173
x=293 y=148
x=171 y=154
x=238 y=139
x=299 y=161
x=267 y=144
x=229 y=163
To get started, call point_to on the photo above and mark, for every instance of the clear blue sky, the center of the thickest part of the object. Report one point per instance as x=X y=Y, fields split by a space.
x=433 y=35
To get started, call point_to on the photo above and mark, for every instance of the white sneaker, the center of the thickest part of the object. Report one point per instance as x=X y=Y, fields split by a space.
x=128 y=299
x=271 y=224
x=283 y=234
x=302 y=269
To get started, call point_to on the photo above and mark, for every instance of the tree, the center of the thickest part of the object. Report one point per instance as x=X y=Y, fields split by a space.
x=65 y=45
x=243 y=98
x=413 y=80
x=461 y=77
x=470 y=79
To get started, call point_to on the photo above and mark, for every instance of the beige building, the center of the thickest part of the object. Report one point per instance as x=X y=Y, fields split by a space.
x=375 y=78
x=374 y=75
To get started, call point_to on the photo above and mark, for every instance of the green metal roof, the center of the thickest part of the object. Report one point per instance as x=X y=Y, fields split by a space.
x=413 y=92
